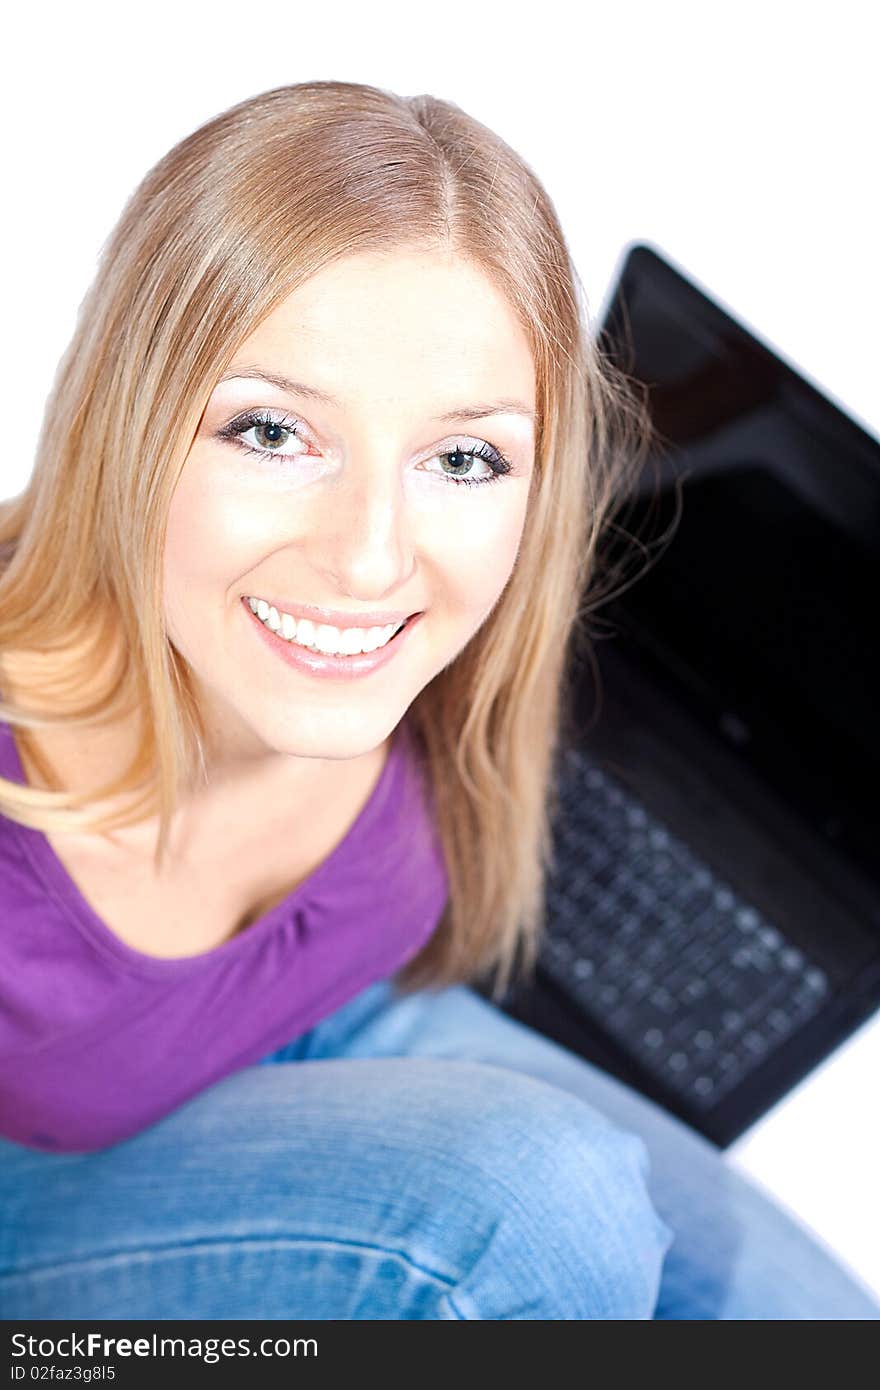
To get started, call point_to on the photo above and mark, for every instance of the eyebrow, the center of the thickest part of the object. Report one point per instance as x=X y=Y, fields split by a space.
x=298 y=388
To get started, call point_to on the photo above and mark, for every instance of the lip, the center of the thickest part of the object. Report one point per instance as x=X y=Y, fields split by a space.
x=332 y=616
x=318 y=663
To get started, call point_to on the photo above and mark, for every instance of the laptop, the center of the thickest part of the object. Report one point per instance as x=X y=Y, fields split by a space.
x=713 y=909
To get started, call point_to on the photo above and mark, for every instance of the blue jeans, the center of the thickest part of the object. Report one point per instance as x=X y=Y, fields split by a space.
x=421 y=1157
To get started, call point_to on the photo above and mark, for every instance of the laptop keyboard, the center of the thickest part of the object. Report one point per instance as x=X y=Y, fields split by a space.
x=684 y=974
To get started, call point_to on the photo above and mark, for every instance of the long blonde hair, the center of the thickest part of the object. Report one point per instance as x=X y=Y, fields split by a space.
x=219 y=232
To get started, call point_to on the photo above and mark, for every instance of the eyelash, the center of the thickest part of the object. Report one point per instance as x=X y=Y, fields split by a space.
x=499 y=464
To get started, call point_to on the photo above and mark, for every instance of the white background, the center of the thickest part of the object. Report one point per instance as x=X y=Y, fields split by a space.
x=742 y=140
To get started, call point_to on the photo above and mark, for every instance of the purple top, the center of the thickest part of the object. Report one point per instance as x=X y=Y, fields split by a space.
x=98 y=1040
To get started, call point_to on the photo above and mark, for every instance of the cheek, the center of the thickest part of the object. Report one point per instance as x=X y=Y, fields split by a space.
x=203 y=554
x=478 y=549
x=204 y=537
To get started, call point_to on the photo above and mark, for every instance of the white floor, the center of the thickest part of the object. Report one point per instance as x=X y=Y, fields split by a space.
x=818 y=1152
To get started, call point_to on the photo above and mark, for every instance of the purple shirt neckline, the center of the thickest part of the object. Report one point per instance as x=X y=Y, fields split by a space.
x=64 y=891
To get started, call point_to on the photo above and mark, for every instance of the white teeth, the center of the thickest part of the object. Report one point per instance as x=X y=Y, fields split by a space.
x=332 y=641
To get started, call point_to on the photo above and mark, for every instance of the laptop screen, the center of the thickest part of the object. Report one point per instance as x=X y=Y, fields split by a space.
x=759 y=609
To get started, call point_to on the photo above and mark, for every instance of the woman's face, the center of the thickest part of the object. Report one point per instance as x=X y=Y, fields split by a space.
x=353 y=505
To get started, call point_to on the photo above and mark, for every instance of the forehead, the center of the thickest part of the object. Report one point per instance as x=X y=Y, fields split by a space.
x=395 y=324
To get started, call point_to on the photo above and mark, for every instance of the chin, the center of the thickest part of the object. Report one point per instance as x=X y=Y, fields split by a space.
x=325 y=736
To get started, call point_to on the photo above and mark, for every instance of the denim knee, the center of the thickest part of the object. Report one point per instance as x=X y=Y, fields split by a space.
x=575 y=1233
x=465 y=1189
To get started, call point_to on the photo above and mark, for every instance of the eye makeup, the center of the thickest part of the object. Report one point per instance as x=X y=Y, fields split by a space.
x=272 y=422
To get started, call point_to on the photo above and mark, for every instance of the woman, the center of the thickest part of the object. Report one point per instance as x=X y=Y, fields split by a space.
x=250 y=874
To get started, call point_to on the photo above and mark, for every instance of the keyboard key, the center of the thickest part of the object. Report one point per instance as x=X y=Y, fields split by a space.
x=625 y=1022
x=769 y=937
x=694 y=989
x=639 y=983
x=662 y=999
x=803 y=1000
x=746 y=919
x=761 y=960
x=615 y=959
x=779 y=1020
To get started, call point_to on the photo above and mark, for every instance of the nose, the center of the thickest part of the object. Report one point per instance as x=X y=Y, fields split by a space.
x=363 y=538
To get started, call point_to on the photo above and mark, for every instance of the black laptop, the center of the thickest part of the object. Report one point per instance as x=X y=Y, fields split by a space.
x=714 y=905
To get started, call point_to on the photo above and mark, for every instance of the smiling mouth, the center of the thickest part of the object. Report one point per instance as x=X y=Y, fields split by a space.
x=311 y=648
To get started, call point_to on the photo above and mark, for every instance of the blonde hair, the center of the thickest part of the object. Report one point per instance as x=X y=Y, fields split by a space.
x=219 y=232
